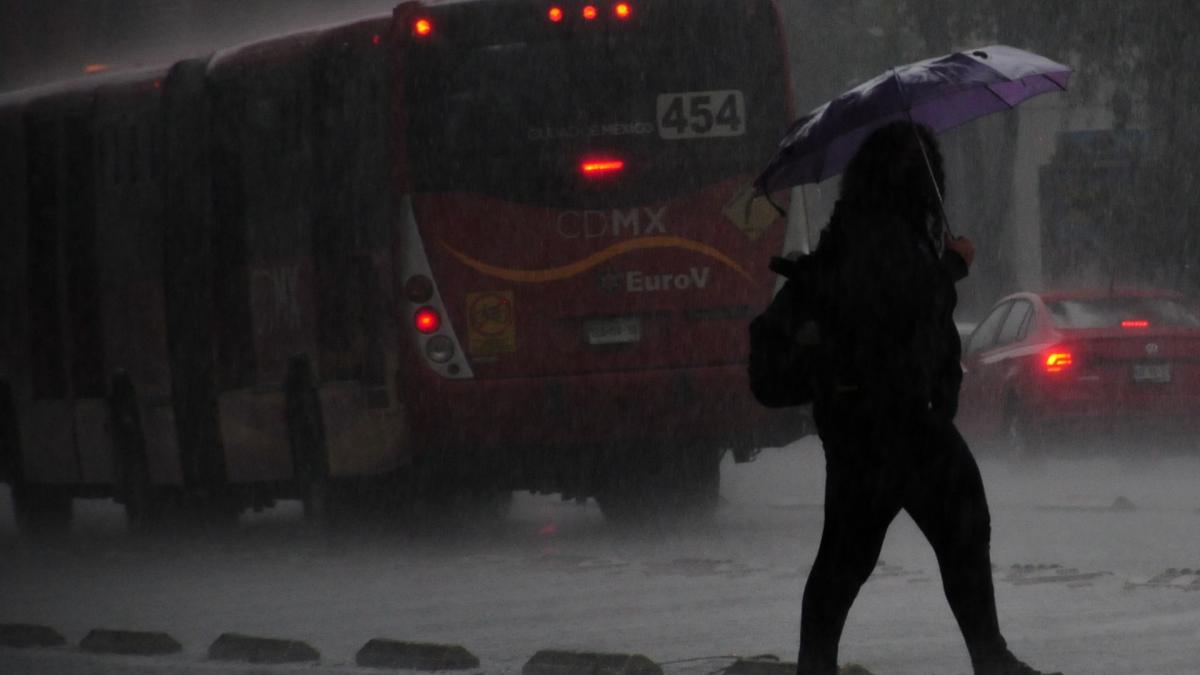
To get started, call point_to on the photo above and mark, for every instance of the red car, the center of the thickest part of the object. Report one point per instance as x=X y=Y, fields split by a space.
x=1065 y=362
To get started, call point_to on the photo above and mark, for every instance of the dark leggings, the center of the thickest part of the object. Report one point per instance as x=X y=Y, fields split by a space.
x=876 y=465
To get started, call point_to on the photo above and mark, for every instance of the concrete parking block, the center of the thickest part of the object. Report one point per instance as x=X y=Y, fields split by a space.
x=234 y=647
x=129 y=642
x=381 y=653
x=24 y=635
x=554 y=662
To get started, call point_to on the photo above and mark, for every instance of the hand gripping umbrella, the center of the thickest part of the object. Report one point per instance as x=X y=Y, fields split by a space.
x=940 y=93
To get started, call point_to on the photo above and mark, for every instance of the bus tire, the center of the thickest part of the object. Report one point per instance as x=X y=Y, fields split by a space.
x=38 y=509
x=143 y=507
x=306 y=436
x=665 y=486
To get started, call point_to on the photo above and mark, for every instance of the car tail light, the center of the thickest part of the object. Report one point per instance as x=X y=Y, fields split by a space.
x=555 y=14
x=623 y=10
x=590 y=12
x=427 y=320
x=1058 y=360
x=1135 y=323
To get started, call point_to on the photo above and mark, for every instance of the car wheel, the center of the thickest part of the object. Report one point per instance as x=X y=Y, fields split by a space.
x=1023 y=437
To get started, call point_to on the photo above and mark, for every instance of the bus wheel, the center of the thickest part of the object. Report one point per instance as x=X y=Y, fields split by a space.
x=39 y=509
x=143 y=508
x=306 y=435
x=486 y=504
x=661 y=485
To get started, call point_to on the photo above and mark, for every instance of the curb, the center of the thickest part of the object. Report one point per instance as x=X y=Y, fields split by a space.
x=235 y=647
x=381 y=653
x=129 y=643
x=554 y=662
x=23 y=635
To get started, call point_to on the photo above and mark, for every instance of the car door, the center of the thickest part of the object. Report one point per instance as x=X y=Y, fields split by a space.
x=1000 y=364
x=979 y=377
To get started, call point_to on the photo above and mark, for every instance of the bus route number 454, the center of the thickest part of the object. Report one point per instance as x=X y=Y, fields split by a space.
x=701 y=114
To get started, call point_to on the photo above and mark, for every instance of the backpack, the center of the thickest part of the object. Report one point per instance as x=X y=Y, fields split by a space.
x=785 y=344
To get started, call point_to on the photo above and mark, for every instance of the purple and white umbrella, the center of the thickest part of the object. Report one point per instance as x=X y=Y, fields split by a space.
x=941 y=93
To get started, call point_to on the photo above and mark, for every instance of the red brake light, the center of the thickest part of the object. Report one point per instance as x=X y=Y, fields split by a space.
x=623 y=10
x=590 y=12
x=1058 y=361
x=555 y=14
x=376 y=39
x=423 y=28
x=427 y=320
x=594 y=168
x=1136 y=323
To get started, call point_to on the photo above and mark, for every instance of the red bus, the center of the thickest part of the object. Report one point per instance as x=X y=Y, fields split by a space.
x=577 y=272
x=468 y=248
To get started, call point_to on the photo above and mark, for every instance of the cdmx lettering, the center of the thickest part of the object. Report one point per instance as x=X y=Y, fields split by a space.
x=614 y=223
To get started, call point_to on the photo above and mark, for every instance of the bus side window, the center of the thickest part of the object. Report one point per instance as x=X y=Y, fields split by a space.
x=45 y=291
x=132 y=154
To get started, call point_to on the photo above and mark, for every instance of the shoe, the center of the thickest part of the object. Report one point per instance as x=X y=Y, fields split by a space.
x=1010 y=665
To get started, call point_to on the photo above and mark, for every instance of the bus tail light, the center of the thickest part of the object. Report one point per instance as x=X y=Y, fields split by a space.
x=418 y=289
x=595 y=167
x=427 y=320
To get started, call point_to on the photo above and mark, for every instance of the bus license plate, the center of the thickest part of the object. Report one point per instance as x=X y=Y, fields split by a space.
x=1154 y=373
x=617 y=331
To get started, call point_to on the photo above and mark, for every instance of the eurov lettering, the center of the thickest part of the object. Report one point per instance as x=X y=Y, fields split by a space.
x=640 y=282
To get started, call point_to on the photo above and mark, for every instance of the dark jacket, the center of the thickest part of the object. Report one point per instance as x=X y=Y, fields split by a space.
x=885 y=305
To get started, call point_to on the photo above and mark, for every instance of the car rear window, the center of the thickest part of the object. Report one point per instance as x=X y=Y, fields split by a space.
x=1112 y=312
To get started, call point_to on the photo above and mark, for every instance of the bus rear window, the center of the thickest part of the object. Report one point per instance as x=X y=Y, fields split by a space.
x=681 y=102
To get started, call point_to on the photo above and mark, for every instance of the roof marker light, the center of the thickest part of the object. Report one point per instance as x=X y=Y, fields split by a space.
x=597 y=167
x=423 y=28
x=623 y=10
x=590 y=12
x=555 y=15
x=1135 y=323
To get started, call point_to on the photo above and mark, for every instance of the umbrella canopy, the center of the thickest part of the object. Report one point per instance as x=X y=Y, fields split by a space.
x=940 y=93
